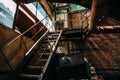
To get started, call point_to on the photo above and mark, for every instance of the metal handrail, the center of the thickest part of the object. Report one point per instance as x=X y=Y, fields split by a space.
x=24 y=33
x=43 y=71
x=24 y=44
x=32 y=48
x=37 y=42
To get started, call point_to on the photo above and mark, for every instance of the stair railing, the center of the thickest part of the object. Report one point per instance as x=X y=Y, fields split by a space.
x=24 y=32
x=9 y=43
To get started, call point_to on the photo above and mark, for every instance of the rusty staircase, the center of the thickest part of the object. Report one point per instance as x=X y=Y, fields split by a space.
x=36 y=67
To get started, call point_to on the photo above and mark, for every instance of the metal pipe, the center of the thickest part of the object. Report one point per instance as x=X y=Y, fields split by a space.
x=93 y=14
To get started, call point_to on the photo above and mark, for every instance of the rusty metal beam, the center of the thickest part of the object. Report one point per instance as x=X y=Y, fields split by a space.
x=99 y=11
x=93 y=13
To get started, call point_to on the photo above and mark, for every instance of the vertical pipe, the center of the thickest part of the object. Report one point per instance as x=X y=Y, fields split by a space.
x=93 y=14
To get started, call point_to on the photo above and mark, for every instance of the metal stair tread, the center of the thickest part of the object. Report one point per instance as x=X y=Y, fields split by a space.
x=35 y=67
x=45 y=41
x=54 y=32
x=28 y=75
x=43 y=59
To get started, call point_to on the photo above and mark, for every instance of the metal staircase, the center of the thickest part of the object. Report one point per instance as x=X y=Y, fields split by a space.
x=36 y=67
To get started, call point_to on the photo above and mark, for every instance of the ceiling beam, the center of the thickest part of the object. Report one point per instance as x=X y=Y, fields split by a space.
x=86 y=3
x=47 y=8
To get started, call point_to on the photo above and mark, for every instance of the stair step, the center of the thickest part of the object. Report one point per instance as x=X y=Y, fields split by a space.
x=43 y=59
x=28 y=75
x=35 y=67
x=42 y=55
x=39 y=55
x=45 y=45
x=50 y=37
x=51 y=34
x=95 y=78
x=54 y=32
x=42 y=62
x=46 y=54
x=30 y=71
x=45 y=41
x=45 y=50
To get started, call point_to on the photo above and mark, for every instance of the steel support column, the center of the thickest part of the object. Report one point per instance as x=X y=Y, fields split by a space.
x=93 y=14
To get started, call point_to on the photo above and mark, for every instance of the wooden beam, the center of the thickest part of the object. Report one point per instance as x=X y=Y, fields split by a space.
x=47 y=8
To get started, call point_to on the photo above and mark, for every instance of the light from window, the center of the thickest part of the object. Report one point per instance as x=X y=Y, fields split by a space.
x=7 y=12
